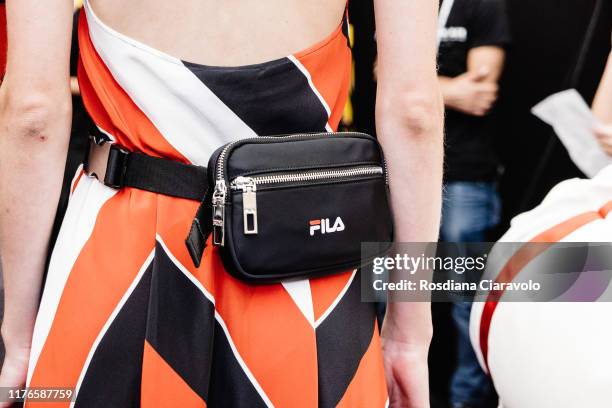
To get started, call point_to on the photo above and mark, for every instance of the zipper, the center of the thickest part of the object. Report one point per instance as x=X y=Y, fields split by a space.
x=221 y=160
x=218 y=216
x=220 y=191
x=248 y=185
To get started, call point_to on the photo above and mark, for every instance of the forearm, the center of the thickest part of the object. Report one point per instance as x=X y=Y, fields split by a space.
x=33 y=143
x=411 y=136
x=412 y=141
x=449 y=96
x=602 y=105
x=488 y=61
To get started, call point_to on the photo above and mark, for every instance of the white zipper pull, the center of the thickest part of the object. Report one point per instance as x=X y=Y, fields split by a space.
x=218 y=217
x=249 y=203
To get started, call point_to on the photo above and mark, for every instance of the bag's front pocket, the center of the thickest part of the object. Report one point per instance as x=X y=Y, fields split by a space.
x=285 y=224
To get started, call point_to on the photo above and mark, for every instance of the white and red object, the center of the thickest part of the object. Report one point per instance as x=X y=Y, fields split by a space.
x=552 y=354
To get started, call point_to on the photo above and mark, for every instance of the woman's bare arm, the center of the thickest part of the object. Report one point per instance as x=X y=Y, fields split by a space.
x=409 y=116
x=35 y=111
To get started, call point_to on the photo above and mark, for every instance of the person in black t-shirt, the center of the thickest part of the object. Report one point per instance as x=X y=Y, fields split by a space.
x=471 y=58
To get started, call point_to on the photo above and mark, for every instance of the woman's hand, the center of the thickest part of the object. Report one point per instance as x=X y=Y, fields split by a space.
x=404 y=368
x=405 y=360
x=604 y=137
x=15 y=366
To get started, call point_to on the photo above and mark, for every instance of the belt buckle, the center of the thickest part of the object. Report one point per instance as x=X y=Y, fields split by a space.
x=106 y=162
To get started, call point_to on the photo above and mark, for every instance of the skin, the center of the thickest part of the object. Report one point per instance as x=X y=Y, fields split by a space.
x=35 y=122
x=74 y=86
x=409 y=117
x=34 y=127
x=602 y=108
x=475 y=91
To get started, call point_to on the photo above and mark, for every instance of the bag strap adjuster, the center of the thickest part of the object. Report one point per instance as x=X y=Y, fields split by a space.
x=107 y=162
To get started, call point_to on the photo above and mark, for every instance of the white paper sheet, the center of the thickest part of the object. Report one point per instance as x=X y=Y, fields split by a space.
x=572 y=120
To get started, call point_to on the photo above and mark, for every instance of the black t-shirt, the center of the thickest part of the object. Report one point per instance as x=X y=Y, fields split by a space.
x=471 y=24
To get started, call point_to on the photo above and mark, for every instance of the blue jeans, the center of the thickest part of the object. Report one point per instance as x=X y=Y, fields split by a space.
x=470 y=210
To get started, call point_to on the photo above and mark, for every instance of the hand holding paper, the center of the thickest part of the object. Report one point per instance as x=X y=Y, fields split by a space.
x=604 y=136
x=572 y=120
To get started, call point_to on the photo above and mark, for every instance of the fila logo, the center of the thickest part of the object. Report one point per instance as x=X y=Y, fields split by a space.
x=323 y=225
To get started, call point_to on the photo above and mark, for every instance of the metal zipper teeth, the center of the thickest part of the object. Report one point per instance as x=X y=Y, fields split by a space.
x=313 y=175
x=221 y=159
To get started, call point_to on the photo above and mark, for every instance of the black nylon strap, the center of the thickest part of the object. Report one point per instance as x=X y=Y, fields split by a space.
x=200 y=231
x=118 y=168
x=165 y=176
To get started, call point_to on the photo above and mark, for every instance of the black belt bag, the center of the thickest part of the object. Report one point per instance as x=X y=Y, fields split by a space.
x=289 y=207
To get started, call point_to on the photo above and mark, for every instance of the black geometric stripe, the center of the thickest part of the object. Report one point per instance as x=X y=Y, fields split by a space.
x=229 y=384
x=272 y=98
x=114 y=374
x=342 y=340
x=180 y=323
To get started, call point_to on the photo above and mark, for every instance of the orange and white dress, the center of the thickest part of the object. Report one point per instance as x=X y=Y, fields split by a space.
x=125 y=318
